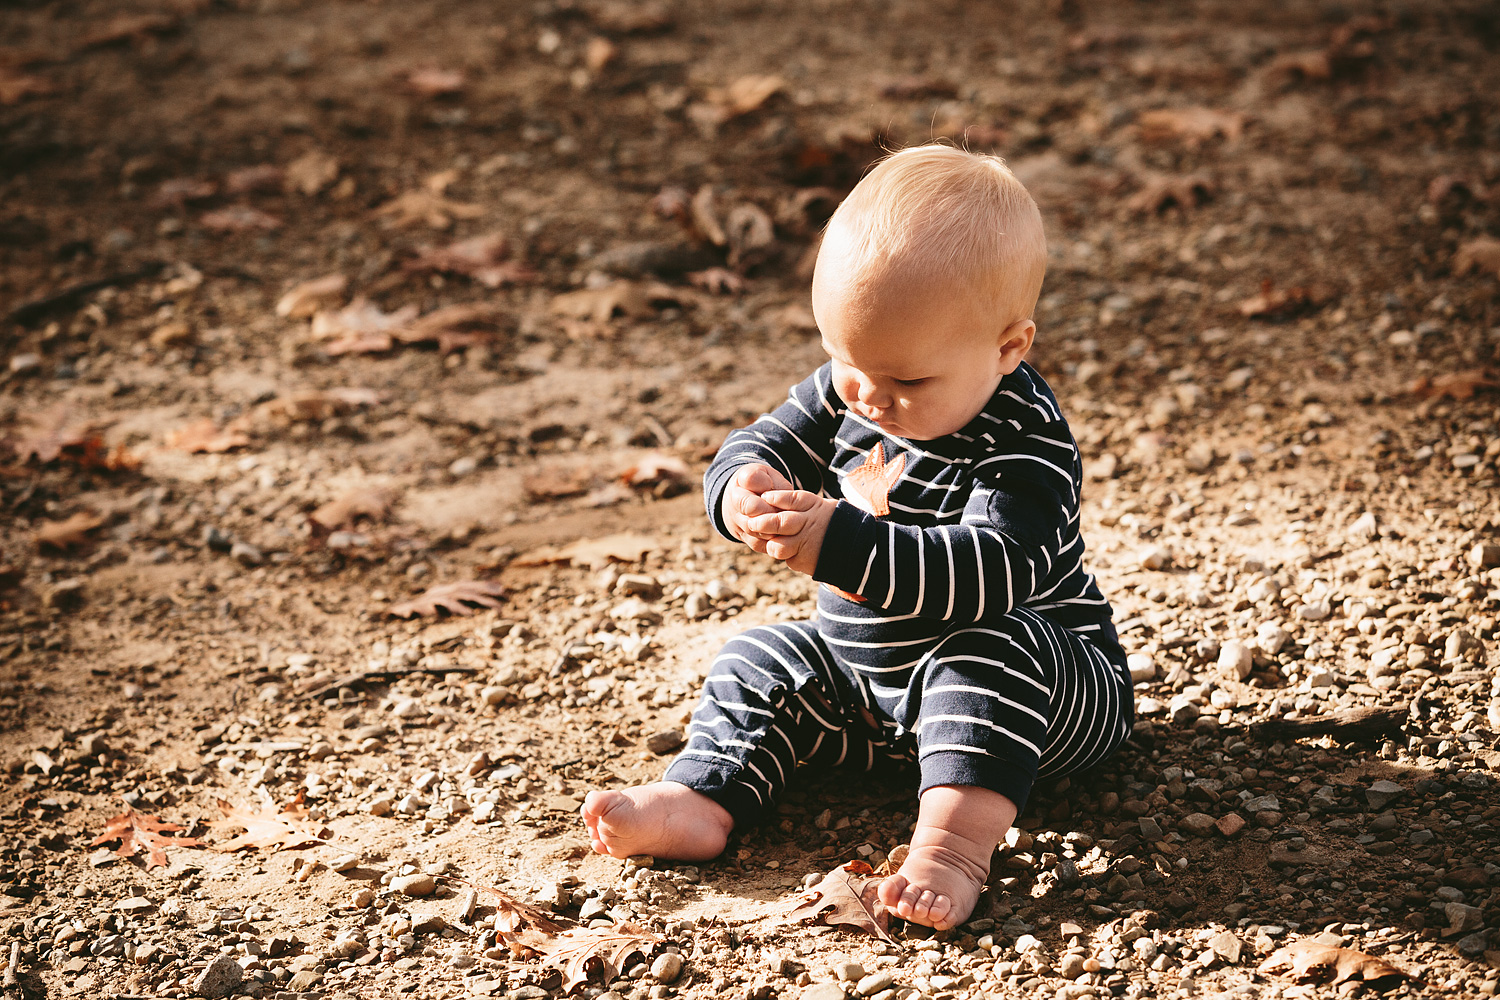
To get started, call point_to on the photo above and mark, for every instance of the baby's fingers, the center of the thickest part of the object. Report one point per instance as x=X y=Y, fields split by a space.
x=779 y=523
x=794 y=500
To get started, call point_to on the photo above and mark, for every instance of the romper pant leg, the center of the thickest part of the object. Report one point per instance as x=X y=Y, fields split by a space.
x=773 y=697
x=1000 y=703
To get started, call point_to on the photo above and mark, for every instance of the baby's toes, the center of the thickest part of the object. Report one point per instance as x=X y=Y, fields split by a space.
x=890 y=890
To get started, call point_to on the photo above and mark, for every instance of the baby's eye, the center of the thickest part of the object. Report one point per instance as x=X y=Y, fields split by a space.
x=908 y=382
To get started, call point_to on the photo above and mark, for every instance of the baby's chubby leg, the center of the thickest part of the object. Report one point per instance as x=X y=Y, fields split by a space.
x=957 y=829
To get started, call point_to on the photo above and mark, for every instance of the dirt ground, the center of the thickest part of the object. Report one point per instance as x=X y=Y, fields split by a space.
x=306 y=308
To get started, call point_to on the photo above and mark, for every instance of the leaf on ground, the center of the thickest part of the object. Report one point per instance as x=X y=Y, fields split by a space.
x=1161 y=191
x=717 y=281
x=316 y=405
x=594 y=553
x=1271 y=300
x=138 y=833
x=305 y=298
x=1192 y=126
x=311 y=172
x=454 y=327
x=47 y=438
x=360 y=327
x=239 y=219
x=430 y=81
x=1312 y=960
x=704 y=218
x=746 y=93
x=263 y=178
x=625 y=298
x=17 y=85
x=750 y=233
x=129 y=28
x=1482 y=254
x=558 y=482
x=1312 y=64
x=178 y=192
x=846 y=898
x=64 y=536
x=282 y=828
x=483 y=258
x=426 y=207
x=206 y=436
x=1459 y=385
x=598 y=954
x=512 y=916
x=371 y=503
x=654 y=468
x=454 y=598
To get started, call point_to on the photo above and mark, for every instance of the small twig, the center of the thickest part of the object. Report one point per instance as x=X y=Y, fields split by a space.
x=351 y=680
x=12 y=969
x=28 y=313
x=1359 y=725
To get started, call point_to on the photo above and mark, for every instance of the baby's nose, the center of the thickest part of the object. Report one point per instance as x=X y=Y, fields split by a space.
x=872 y=395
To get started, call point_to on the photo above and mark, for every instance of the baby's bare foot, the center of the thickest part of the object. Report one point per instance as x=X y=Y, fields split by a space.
x=664 y=819
x=936 y=886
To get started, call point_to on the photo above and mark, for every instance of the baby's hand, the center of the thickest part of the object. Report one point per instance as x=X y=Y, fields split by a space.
x=795 y=529
x=742 y=501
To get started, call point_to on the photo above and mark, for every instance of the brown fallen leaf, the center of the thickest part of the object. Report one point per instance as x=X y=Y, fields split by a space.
x=1192 y=126
x=239 y=219
x=360 y=318
x=316 y=405
x=846 y=898
x=591 y=552
x=46 y=438
x=371 y=503
x=626 y=298
x=282 y=828
x=426 y=207
x=305 y=298
x=483 y=258
x=263 y=178
x=704 y=217
x=654 y=468
x=558 y=482
x=206 y=436
x=746 y=93
x=597 y=954
x=749 y=231
x=1311 y=960
x=1271 y=300
x=1161 y=191
x=1482 y=254
x=311 y=172
x=632 y=17
x=453 y=598
x=129 y=28
x=1459 y=385
x=717 y=281
x=64 y=536
x=138 y=832
x=430 y=81
x=513 y=916
x=454 y=327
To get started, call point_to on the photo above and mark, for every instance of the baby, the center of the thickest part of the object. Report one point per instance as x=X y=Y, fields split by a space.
x=926 y=477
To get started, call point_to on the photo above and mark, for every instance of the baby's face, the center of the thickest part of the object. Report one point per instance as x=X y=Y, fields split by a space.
x=918 y=365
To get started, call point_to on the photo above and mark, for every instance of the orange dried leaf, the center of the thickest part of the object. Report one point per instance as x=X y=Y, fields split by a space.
x=270 y=827
x=427 y=207
x=372 y=504
x=454 y=598
x=453 y=327
x=206 y=436
x=67 y=535
x=1271 y=300
x=591 y=552
x=138 y=832
x=655 y=467
x=1482 y=254
x=599 y=954
x=360 y=319
x=1312 y=960
x=262 y=178
x=239 y=219
x=717 y=281
x=558 y=482
x=483 y=258
x=846 y=898
x=511 y=914
x=1459 y=385
x=1161 y=191
x=307 y=297
x=311 y=172
x=1192 y=126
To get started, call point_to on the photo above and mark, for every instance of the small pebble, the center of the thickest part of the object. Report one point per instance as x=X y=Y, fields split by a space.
x=416 y=884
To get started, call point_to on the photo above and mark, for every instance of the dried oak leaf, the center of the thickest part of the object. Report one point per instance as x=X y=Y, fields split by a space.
x=591 y=552
x=453 y=327
x=311 y=172
x=360 y=327
x=1459 y=385
x=454 y=598
x=177 y=192
x=370 y=503
x=427 y=207
x=239 y=219
x=558 y=482
x=514 y=917
x=1312 y=960
x=138 y=832
x=305 y=298
x=129 y=28
x=749 y=232
x=206 y=436
x=64 y=536
x=1271 y=300
x=627 y=298
x=1482 y=254
x=263 y=178
x=599 y=954
x=846 y=898
x=430 y=81
x=746 y=93
x=717 y=281
x=316 y=404
x=653 y=468
x=483 y=258
x=282 y=828
x=1193 y=126
x=705 y=218
x=1161 y=191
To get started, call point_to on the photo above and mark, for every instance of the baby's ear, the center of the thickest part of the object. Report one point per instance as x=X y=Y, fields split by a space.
x=1015 y=342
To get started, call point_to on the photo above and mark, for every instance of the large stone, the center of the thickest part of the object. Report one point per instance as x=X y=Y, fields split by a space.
x=1227 y=946
x=667 y=967
x=1382 y=793
x=1235 y=660
x=303 y=981
x=1142 y=667
x=416 y=884
x=875 y=982
x=664 y=742
x=1197 y=824
x=221 y=978
x=823 y=991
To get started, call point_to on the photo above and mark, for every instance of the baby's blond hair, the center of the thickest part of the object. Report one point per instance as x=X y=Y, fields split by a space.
x=948 y=216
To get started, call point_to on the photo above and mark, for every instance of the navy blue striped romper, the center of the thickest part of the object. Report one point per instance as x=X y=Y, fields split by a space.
x=982 y=648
